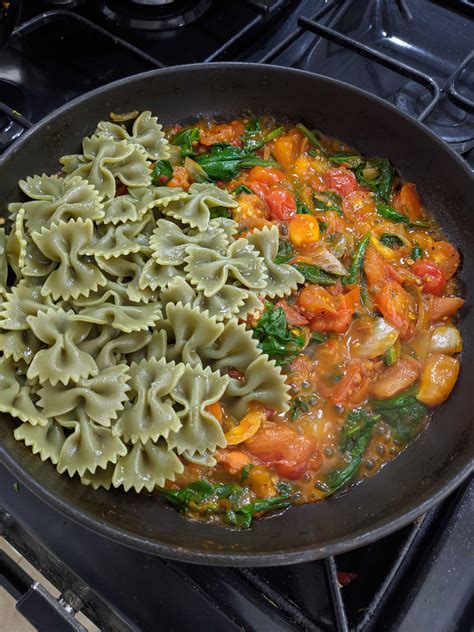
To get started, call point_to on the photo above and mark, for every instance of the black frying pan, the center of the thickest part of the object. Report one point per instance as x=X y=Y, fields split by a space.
x=423 y=474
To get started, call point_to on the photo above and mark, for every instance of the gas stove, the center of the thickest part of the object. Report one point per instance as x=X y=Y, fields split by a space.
x=418 y=55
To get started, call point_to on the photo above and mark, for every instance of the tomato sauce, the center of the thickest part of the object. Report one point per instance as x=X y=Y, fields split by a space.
x=375 y=346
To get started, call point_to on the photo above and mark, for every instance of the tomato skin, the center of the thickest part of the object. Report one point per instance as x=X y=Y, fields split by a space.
x=293 y=316
x=410 y=201
x=282 y=449
x=282 y=204
x=330 y=314
x=378 y=271
x=342 y=181
x=287 y=147
x=444 y=307
x=358 y=206
x=397 y=307
x=260 y=189
x=432 y=276
x=265 y=175
x=445 y=256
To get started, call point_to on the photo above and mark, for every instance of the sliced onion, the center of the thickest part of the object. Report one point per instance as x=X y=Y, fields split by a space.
x=421 y=345
x=195 y=171
x=446 y=339
x=371 y=338
x=328 y=262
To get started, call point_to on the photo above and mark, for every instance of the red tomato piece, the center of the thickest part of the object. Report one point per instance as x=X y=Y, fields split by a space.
x=282 y=204
x=282 y=449
x=397 y=307
x=293 y=316
x=343 y=181
x=432 y=276
x=444 y=307
x=260 y=189
x=378 y=271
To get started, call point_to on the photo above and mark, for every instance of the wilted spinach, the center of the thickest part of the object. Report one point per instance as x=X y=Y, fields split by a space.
x=275 y=337
x=403 y=413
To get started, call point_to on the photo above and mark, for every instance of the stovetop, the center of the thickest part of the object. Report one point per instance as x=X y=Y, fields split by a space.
x=418 y=55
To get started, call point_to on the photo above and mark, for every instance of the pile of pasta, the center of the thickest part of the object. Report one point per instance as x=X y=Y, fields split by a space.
x=122 y=314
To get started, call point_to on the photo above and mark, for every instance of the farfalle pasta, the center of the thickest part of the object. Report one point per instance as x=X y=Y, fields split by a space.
x=221 y=313
x=118 y=320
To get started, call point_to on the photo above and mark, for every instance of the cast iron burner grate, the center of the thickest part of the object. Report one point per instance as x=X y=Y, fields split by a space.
x=154 y=15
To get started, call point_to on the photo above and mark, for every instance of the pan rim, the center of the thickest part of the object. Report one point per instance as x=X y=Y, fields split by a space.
x=384 y=527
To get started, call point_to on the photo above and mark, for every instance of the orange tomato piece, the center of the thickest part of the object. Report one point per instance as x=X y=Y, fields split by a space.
x=282 y=449
x=232 y=460
x=397 y=378
x=397 y=307
x=216 y=410
x=222 y=133
x=378 y=271
x=446 y=256
x=265 y=175
x=438 y=379
x=442 y=307
x=410 y=201
x=358 y=206
x=286 y=148
x=247 y=427
x=181 y=178
x=316 y=301
x=303 y=230
x=260 y=481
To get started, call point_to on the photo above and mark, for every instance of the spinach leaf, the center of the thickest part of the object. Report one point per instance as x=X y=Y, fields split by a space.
x=391 y=240
x=357 y=262
x=377 y=174
x=230 y=500
x=416 y=253
x=404 y=413
x=242 y=189
x=299 y=405
x=347 y=159
x=354 y=441
x=253 y=143
x=301 y=208
x=185 y=139
x=388 y=212
x=328 y=201
x=315 y=274
x=220 y=211
x=162 y=172
x=310 y=136
x=245 y=472
x=275 y=338
x=318 y=337
x=224 y=161
x=285 y=253
x=391 y=355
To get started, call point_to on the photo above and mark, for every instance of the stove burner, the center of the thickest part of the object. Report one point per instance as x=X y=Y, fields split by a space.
x=154 y=15
x=449 y=122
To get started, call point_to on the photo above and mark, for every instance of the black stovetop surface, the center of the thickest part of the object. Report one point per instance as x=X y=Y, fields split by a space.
x=415 y=53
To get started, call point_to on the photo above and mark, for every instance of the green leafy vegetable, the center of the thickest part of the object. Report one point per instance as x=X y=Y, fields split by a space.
x=404 y=413
x=377 y=174
x=220 y=211
x=301 y=208
x=230 y=500
x=253 y=138
x=224 y=161
x=315 y=274
x=245 y=472
x=354 y=441
x=391 y=240
x=388 y=212
x=318 y=337
x=285 y=488
x=347 y=159
x=242 y=189
x=162 y=172
x=416 y=253
x=298 y=406
x=185 y=139
x=276 y=338
x=310 y=136
x=328 y=201
x=357 y=261
x=286 y=252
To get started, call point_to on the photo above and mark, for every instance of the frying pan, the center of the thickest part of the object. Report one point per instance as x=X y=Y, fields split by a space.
x=428 y=470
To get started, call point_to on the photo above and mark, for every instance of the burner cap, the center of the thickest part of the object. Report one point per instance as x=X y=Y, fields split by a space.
x=154 y=15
